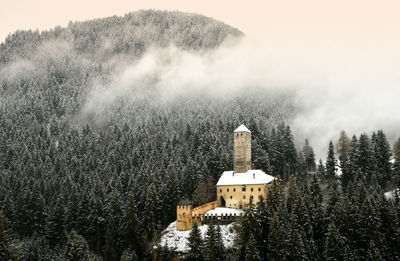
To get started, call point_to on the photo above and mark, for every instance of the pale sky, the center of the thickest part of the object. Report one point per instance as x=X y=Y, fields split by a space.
x=374 y=23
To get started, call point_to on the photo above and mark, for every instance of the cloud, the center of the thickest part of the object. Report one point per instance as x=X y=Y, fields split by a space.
x=355 y=90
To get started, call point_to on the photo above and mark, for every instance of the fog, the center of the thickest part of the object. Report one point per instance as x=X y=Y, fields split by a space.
x=336 y=89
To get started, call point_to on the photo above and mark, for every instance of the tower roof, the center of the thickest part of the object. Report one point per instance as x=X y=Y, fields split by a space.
x=242 y=128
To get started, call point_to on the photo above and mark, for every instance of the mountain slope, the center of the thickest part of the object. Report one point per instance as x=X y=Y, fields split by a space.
x=131 y=34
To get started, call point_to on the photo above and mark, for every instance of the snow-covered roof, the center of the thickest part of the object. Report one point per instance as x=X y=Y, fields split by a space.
x=224 y=211
x=247 y=178
x=242 y=128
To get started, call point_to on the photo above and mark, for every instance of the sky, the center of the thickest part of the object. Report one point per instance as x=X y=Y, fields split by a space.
x=320 y=23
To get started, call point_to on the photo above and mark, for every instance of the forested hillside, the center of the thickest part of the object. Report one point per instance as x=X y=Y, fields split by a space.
x=85 y=174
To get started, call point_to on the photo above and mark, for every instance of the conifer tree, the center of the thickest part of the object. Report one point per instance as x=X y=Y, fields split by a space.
x=195 y=244
x=396 y=152
x=210 y=243
x=343 y=151
x=321 y=171
x=8 y=251
x=130 y=225
x=309 y=156
x=252 y=253
x=294 y=245
x=220 y=251
x=331 y=163
x=335 y=248
x=366 y=160
x=77 y=248
x=276 y=240
x=301 y=169
x=383 y=156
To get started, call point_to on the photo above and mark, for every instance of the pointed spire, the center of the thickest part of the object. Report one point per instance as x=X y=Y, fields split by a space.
x=242 y=128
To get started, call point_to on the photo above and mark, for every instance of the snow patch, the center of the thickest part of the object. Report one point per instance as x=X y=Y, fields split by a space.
x=391 y=194
x=224 y=211
x=178 y=240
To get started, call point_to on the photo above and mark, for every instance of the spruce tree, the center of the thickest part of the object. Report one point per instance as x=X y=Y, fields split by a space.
x=210 y=243
x=276 y=240
x=343 y=151
x=8 y=252
x=331 y=163
x=396 y=153
x=366 y=160
x=77 y=248
x=321 y=171
x=383 y=156
x=294 y=245
x=220 y=251
x=335 y=248
x=195 y=244
x=252 y=253
x=309 y=156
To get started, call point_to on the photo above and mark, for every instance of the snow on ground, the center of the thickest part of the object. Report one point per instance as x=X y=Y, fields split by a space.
x=224 y=211
x=173 y=238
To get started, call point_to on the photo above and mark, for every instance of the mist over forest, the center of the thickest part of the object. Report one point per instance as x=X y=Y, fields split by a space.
x=105 y=125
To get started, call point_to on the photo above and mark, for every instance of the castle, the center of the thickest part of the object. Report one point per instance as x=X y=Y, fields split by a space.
x=236 y=189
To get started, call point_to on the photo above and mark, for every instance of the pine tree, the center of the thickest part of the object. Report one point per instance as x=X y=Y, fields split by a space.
x=343 y=151
x=55 y=225
x=366 y=160
x=321 y=171
x=301 y=169
x=309 y=156
x=396 y=152
x=195 y=242
x=130 y=225
x=252 y=253
x=294 y=247
x=220 y=250
x=209 y=243
x=383 y=156
x=353 y=168
x=331 y=163
x=276 y=240
x=129 y=255
x=77 y=248
x=7 y=250
x=335 y=248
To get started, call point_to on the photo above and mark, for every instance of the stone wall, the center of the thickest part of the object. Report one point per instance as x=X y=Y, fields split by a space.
x=235 y=197
x=242 y=151
x=186 y=216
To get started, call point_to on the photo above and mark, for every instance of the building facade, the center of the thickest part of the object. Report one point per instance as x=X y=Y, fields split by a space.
x=237 y=189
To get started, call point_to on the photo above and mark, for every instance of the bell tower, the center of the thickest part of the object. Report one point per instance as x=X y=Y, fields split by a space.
x=242 y=149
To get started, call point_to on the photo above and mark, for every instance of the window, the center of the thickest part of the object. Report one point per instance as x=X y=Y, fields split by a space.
x=231 y=197
x=244 y=196
x=234 y=190
x=251 y=197
x=259 y=189
x=227 y=190
x=220 y=190
x=244 y=188
x=251 y=189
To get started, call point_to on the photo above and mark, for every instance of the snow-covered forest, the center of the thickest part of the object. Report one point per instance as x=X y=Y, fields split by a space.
x=92 y=168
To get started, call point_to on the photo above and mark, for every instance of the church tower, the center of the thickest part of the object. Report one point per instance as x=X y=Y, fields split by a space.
x=242 y=149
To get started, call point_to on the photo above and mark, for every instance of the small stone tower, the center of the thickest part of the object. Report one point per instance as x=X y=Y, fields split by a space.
x=242 y=149
x=184 y=217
